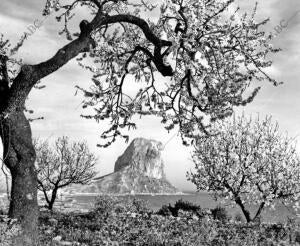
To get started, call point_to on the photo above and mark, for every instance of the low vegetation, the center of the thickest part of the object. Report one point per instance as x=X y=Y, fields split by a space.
x=127 y=221
x=180 y=206
x=8 y=229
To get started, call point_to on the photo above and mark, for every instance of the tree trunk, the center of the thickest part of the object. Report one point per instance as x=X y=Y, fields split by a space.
x=260 y=209
x=19 y=157
x=53 y=198
x=244 y=210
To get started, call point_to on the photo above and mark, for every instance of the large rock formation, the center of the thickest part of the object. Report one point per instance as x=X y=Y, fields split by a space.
x=140 y=169
x=143 y=156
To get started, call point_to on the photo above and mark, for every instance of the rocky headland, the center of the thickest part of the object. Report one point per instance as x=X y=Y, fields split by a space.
x=139 y=170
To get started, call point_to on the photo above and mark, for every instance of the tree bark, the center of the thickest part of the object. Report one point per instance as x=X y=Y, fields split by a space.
x=244 y=210
x=19 y=157
x=53 y=198
x=260 y=209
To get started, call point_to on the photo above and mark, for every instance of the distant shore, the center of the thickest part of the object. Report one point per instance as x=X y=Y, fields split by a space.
x=126 y=194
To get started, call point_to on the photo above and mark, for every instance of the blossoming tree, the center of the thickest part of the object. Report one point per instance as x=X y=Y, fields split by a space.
x=62 y=165
x=208 y=54
x=250 y=163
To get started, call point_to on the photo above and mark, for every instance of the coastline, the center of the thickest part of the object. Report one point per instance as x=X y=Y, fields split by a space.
x=127 y=194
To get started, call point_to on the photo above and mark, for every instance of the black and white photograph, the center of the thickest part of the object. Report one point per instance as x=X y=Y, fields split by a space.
x=149 y=122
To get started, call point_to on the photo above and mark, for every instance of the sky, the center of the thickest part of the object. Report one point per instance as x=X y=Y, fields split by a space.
x=61 y=108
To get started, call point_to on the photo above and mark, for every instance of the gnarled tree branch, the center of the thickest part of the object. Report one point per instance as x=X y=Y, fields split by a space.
x=31 y=74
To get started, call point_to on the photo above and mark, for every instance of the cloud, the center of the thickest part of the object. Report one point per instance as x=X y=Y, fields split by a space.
x=10 y=26
x=22 y=10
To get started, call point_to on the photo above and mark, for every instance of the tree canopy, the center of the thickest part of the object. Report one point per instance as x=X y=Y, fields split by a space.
x=248 y=162
x=209 y=52
x=61 y=165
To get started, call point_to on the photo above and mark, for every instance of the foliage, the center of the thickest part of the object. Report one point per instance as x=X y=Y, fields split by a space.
x=131 y=228
x=165 y=210
x=220 y=213
x=182 y=205
x=186 y=205
x=8 y=230
x=61 y=165
x=248 y=162
x=107 y=205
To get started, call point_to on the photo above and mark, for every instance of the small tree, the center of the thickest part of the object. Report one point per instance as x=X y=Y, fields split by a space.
x=248 y=162
x=61 y=165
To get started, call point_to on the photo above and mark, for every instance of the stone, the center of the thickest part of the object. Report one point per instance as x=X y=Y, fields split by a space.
x=65 y=243
x=195 y=217
x=139 y=170
x=133 y=215
x=53 y=221
x=57 y=239
x=48 y=231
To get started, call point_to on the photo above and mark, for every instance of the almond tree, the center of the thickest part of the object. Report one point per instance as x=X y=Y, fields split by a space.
x=250 y=163
x=208 y=54
x=62 y=165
